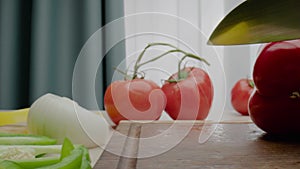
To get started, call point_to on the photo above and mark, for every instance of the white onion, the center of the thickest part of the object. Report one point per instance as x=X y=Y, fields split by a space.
x=59 y=117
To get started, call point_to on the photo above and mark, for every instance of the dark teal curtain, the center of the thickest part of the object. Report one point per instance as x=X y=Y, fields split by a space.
x=40 y=41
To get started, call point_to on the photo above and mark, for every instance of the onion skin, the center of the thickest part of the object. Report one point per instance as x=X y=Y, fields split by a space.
x=59 y=117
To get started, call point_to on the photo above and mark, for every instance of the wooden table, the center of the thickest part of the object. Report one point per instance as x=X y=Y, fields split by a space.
x=232 y=145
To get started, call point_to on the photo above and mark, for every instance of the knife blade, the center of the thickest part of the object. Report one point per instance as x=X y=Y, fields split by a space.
x=259 y=21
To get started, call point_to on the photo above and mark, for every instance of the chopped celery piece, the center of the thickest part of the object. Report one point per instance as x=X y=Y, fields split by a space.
x=66 y=156
x=66 y=148
x=86 y=162
x=9 y=165
x=36 y=150
x=86 y=153
x=72 y=161
x=37 y=162
x=25 y=139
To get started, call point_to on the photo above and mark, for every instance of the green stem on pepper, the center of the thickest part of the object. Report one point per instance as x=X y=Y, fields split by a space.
x=175 y=50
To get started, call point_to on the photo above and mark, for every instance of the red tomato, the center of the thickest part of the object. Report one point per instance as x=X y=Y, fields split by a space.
x=191 y=97
x=240 y=94
x=277 y=115
x=275 y=106
x=276 y=70
x=136 y=99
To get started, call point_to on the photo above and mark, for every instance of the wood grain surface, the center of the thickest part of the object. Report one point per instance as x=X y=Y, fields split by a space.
x=232 y=145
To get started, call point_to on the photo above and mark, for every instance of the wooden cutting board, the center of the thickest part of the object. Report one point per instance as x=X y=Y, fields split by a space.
x=232 y=145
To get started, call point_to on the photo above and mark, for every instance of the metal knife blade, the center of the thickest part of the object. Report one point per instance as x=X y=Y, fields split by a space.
x=259 y=21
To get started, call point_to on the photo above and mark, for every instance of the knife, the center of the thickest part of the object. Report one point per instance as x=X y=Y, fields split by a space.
x=259 y=21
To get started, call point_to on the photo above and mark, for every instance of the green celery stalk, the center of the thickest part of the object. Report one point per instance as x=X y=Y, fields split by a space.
x=86 y=161
x=73 y=161
x=71 y=156
x=37 y=149
x=86 y=153
x=25 y=139
x=85 y=164
x=9 y=165
x=37 y=162
x=66 y=148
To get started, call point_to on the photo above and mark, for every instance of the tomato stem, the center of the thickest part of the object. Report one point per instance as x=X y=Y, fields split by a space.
x=159 y=56
x=188 y=55
x=126 y=76
x=175 y=50
x=136 y=66
x=251 y=83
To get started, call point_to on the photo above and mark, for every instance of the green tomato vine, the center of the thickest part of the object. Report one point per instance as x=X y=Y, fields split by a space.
x=181 y=74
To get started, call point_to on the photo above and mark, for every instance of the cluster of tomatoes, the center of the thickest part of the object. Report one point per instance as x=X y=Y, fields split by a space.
x=186 y=95
x=274 y=103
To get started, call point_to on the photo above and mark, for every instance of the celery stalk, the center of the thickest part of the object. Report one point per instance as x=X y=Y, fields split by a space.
x=86 y=162
x=9 y=165
x=68 y=156
x=66 y=148
x=36 y=149
x=25 y=139
x=37 y=162
x=70 y=162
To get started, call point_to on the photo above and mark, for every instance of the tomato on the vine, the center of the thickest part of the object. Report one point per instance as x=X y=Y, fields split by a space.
x=275 y=106
x=189 y=93
x=240 y=94
x=190 y=96
x=136 y=99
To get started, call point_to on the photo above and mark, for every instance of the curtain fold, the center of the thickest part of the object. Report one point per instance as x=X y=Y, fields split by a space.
x=40 y=42
x=15 y=19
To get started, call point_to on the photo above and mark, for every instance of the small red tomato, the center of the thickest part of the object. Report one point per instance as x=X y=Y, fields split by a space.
x=240 y=94
x=190 y=97
x=136 y=99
